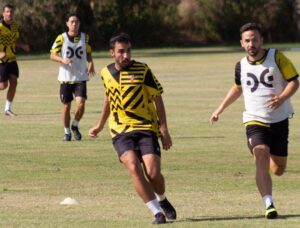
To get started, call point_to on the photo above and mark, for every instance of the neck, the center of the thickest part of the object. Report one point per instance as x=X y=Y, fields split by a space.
x=73 y=33
x=259 y=55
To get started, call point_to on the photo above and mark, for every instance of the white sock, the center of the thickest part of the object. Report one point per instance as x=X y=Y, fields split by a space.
x=67 y=130
x=153 y=205
x=267 y=200
x=75 y=123
x=160 y=197
x=7 y=105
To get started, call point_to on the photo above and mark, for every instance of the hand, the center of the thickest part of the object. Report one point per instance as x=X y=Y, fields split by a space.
x=93 y=132
x=26 y=47
x=165 y=139
x=274 y=102
x=66 y=61
x=2 y=55
x=91 y=70
x=214 y=117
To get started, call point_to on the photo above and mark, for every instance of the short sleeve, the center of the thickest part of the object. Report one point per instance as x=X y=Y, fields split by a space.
x=286 y=67
x=57 y=45
x=152 y=85
x=237 y=73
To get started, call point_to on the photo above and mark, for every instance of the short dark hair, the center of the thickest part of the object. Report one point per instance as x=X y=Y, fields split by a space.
x=251 y=26
x=72 y=14
x=7 y=5
x=121 y=38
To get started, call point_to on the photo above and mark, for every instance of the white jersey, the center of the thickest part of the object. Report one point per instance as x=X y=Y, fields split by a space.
x=259 y=83
x=77 y=70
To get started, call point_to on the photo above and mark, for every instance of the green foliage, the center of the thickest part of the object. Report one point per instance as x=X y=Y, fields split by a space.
x=155 y=22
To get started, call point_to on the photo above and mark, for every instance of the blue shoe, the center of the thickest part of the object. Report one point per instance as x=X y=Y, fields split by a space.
x=159 y=218
x=168 y=209
x=77 y=134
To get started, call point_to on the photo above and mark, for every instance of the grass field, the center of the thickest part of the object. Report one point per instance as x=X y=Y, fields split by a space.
x=209 y=171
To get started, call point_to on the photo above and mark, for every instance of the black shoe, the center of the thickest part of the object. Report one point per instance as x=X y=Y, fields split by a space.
x=76 y=132
x=159 y=218
x=67 y=137
x=168 y=209
x=271 y=212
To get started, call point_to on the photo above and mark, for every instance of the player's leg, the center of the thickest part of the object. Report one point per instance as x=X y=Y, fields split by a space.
x=125 y=145
x=278 y=164
x=13 y=74
x=66 y=96
x=80 y=97
x=141 y=185
x=150 y=151
x=258 y=143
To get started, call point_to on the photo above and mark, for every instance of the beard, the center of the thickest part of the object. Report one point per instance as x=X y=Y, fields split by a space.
x=253 y=52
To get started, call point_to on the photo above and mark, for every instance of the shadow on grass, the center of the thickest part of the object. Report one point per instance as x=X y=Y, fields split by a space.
x=229 y=218
x=199 y=137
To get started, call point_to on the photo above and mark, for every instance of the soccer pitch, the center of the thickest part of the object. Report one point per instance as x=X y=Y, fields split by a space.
x=209 y=171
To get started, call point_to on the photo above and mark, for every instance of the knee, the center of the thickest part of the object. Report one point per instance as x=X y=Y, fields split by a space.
x=153 y=174
x=261 y=152
x=3 y=86
x=278 y=170
x=134 y=169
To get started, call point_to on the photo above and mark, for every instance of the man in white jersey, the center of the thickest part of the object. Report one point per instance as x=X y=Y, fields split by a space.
x=267 y=80
x=73 y=51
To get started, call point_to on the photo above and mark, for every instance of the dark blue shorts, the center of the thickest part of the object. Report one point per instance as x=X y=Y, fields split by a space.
x=275 y=137
x=70 y=90
x=7 y=69
x=142 y=142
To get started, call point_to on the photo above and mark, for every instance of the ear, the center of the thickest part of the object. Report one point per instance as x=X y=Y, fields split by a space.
x=112 y=53
x=241 y=41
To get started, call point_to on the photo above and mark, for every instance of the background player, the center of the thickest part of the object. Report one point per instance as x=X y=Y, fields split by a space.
x=9 y=70
x=72 y=50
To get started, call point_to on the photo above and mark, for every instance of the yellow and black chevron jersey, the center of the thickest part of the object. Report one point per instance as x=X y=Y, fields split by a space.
x=9 y=34
x=58 y=43
x=130 y=93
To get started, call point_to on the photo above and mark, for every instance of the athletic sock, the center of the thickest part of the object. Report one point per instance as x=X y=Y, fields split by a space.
x=153 y=205
x=67 y=130
x=267 y=200
x=75 y=123
x=7 y=105
x=160 y=197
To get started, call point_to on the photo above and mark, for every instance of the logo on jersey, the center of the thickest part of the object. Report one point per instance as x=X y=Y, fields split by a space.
x=78 y=52
x=264 y=79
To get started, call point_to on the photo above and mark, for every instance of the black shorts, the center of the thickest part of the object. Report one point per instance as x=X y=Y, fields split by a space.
x=8 y=69
x=142 y=142
x=275 y=137
x=68 y=91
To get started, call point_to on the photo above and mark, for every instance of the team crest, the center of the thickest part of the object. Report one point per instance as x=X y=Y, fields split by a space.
x=132 y=77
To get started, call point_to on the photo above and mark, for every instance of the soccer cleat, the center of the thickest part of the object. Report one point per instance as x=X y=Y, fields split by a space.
x=271 y=212
x=67 y=137
x=168 y=209
x=159 y=218
x=76 y=132
x=10 y=113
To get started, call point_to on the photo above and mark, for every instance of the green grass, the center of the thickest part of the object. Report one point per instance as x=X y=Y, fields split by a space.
x=209 y=171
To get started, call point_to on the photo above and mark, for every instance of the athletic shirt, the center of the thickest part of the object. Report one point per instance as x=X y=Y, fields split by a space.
x=9 y=34
x=76 y=51
x=260 y=81
x=130 y=93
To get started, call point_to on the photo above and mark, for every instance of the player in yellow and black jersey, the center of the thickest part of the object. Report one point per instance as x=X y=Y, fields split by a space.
x=9 y=71
x=134 y=105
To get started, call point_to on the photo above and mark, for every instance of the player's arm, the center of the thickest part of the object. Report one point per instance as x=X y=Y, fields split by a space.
x=233 y=94
x=93 y=132
x=91 y=68
x=56 y=50
x=23 y=45
x=290 y=74
x=163 y=127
